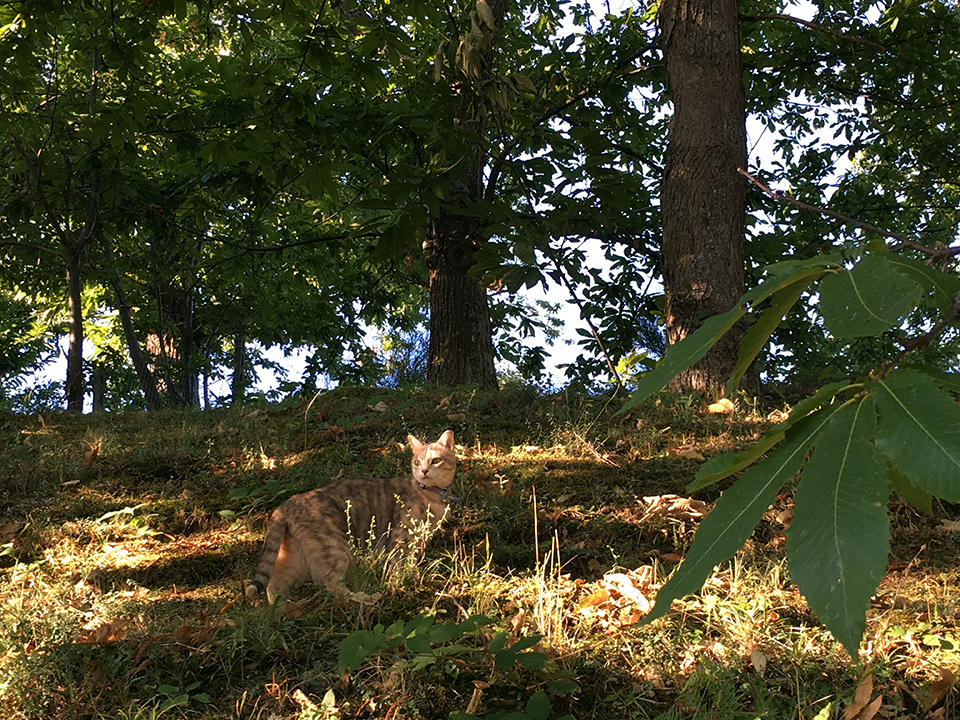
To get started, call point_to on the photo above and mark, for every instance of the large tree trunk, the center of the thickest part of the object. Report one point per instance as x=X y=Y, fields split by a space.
x=461 y=345
x=703 y=197
x=461 y=338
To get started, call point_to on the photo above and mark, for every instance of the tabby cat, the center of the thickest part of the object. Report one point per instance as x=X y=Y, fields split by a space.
x=310 y=536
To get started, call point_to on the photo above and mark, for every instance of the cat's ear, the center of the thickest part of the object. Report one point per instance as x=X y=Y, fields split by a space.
x=446 y=439
x=413 y=443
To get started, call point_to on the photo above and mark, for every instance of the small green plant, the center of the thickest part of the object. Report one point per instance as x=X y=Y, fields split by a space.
x=174 y=697
x=127 y=519
x=473 y=644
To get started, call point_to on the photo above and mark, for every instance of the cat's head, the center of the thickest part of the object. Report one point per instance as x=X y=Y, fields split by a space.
x=433 y=464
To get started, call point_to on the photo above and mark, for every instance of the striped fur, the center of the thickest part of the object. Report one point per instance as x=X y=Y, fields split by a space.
x=310 y=536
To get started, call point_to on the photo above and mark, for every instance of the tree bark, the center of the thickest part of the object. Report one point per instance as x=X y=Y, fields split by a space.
x=148 y=383
x=461 y=337
x=703 y=197
x=238 y=383
x=74 y=385
x=461 y=344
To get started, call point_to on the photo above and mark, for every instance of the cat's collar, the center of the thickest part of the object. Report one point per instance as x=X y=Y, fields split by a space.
x=443 y=492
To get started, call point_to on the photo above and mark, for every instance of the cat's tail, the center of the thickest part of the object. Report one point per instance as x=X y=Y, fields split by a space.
x=276 y=529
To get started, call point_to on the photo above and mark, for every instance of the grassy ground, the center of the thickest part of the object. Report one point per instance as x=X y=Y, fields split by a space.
x=127 y=539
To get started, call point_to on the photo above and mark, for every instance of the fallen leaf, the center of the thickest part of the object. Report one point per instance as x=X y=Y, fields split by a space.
x=938 y=690
x=684 y=508
x=98 y=632
x=687 y=452
x=598 y=597
x=381 y=406
x=8 y=531
x=721 y=407
x=860 y=708
x=949 y=526
x=759 y=661
x=456 y=417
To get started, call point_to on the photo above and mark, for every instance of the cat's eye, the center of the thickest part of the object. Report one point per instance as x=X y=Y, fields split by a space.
x=417 y=463
x=436 y=461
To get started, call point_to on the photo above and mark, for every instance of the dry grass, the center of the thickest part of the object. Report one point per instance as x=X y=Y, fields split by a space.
x=127 y=539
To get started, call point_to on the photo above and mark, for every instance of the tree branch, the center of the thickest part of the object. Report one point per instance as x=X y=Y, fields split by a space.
x=813 y=26
x=933 y=254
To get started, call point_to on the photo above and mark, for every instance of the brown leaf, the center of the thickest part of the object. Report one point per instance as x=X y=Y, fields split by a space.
x=99 y=633
x=8 y=531
x=687 y=452
x=721 y=407
x=598 y=597
x=516 y=622
x=861 y=700
x=938 y=690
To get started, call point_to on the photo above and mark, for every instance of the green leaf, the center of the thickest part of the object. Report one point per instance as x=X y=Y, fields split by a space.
x=445 y=632
x=943 y=286
x=723 y=466
x=538 y=706
x=944 y=380
x=419 y=643
x=497 y=643
x=759 y=333
x=526 y=642
x=840 y=536
x=531 y=660
x=563 y=687
x=919 y=498
x=919 y=430
x=504 y=659
x=683 y=354
x=874 y=296
x=737 y=512
x=357 y=647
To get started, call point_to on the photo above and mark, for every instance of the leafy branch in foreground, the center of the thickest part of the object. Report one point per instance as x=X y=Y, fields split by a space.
x=896 y=429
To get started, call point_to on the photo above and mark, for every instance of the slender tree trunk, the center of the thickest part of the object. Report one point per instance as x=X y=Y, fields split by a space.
x=98 y=384
x=74 y=389
x=238 y=381
x=148 y=382
x=188 y=363
x=703 y=197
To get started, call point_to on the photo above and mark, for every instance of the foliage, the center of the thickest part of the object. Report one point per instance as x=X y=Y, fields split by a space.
x=893 y=429
x=427 y=642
